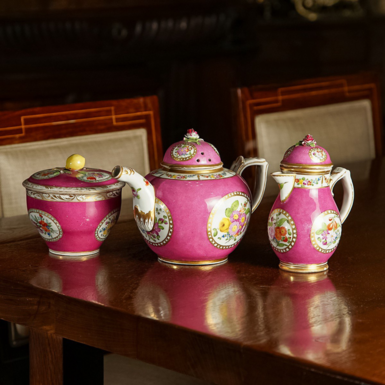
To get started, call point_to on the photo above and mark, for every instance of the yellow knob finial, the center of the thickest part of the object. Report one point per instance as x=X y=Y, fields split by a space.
x=75 y=162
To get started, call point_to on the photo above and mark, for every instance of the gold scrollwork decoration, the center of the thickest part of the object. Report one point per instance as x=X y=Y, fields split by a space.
x=73 y=197
x=129 y=171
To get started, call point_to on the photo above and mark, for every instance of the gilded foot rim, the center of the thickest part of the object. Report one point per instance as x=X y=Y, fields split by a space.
x=73 y=254
x=303 y=268
x=193 y=263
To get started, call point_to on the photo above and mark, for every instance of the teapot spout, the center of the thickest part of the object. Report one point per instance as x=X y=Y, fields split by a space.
x=285 y=184
x=143 y=193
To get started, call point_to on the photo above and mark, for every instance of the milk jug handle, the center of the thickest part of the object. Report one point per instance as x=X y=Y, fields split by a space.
x=343 y=174
x=260 y=177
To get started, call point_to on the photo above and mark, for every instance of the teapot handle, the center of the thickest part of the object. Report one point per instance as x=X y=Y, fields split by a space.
x=241 y=164
x=347 y=183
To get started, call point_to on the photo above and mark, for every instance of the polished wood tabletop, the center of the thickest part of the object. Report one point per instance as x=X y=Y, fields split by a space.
x=244 y=322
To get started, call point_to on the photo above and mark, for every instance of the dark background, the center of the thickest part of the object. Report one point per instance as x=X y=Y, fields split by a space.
x=188 y=53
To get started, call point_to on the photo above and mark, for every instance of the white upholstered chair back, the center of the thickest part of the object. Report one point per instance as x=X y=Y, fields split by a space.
x=343 y=114
x=345 y=130
x=19 y=161
x=107 y=133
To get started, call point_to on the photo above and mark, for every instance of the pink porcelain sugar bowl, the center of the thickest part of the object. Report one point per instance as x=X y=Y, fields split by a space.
x=73 y=207
x=304 y=224
x=192 y=211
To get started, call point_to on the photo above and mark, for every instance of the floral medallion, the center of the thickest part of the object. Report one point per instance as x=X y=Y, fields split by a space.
x=93 y=176
x=228 y=220
x=282 y=231
x=161 y=234
x=105 y=226
x=49 y=228
x=183 y=152
x=317 y=154
x=46 y=174
x=214 y=148
x=326 y=231
x=288 y=151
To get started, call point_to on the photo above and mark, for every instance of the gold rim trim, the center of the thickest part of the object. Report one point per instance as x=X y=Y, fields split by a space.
x=303 y=268
x=120 y=173
x=307 y=169
x=72 y=190
x=73 y=258
x=298 y=277
x=297 y=165
x=193 y=263
x=67 y=254
x=188 y=169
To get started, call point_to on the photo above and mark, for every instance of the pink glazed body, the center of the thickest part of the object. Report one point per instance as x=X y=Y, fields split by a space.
x=78 y=220
x=190 y=204
x=305 y=225
x=73 y=210
x=304 y=206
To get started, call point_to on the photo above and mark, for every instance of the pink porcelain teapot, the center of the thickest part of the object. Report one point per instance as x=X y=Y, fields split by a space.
x=192 y=211
x=304 y=224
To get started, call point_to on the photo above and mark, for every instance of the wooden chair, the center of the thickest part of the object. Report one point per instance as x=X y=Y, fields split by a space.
x=342 y=113
x=105 y=133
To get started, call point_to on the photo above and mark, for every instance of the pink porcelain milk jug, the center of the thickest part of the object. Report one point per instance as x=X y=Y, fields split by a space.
x=192 y=211
x=304 y=224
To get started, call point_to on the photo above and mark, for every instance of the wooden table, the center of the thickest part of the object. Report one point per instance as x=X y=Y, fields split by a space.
x=245 y=322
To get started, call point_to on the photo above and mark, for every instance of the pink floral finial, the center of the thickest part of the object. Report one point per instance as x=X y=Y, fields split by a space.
x=308 y=140
x=191 y=133
x=192 y=136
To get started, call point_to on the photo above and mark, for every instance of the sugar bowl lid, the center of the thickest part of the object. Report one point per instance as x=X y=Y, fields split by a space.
x=306 y=154
x=73 y=178
x=192 y=154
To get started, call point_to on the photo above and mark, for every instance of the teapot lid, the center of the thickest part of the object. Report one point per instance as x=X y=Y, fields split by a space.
x=306 y=154
x=192 y=154
x=74 y=176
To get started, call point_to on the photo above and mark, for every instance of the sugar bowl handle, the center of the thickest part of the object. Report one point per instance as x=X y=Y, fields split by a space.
x=260 y=177
x=347 y=183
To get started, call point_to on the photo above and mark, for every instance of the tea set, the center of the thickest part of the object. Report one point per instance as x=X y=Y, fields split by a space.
x=192 y=210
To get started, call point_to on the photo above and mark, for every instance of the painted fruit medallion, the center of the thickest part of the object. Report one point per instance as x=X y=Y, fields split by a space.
x=299 y=236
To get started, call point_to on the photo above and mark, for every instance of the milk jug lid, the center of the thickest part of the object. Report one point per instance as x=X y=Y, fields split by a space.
x=306 y=153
